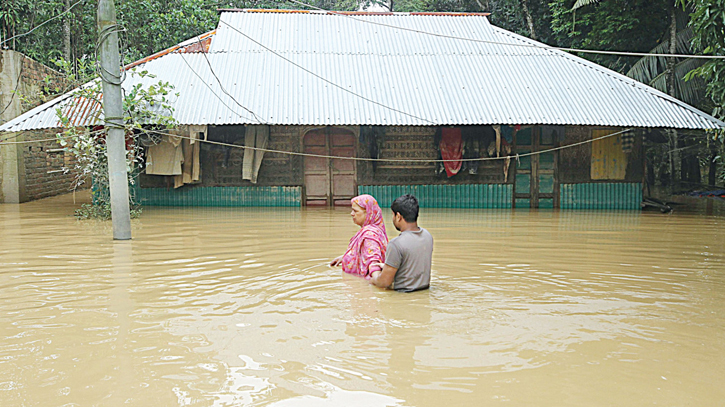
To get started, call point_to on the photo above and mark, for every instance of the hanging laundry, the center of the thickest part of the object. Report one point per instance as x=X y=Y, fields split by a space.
x=451 y=147
x=200 y=132
x=473 y=143
x=627 y=141
x=497 y=130
x=190 y=170
x=166 y=157
x=506 y=150
x=191 y=149
x=257 y=137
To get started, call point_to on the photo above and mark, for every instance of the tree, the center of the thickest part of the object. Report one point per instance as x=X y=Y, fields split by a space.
x=612 y=25
x=144 y=108
x=707 y=20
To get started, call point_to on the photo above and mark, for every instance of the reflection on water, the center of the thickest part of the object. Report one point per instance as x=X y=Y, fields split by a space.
x=236 y=306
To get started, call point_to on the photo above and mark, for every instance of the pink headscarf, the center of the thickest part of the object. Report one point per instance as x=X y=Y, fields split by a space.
x=369 y=243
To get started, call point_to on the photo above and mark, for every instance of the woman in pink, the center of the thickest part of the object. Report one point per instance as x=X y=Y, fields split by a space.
x=367 y=248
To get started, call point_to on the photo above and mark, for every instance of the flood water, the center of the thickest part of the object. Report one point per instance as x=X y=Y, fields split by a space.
x=237 y=306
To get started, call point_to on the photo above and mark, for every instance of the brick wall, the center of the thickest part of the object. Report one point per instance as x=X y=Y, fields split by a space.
x=44 y=163
x=221 y=166
x=39 y=84
x=36 y=173
x=418 y=142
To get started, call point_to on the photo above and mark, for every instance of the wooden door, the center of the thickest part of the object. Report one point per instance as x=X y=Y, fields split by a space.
x=535 y=183
x=329 y=181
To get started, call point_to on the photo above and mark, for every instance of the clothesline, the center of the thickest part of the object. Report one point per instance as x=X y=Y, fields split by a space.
x=397 y=160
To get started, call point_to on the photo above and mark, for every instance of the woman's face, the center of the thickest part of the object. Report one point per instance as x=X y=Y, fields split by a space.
x=358 y=214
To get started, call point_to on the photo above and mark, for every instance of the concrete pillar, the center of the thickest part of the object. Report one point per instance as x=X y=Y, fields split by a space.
x=12 y=165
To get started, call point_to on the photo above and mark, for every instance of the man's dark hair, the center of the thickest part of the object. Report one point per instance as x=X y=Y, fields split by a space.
x=407 y=207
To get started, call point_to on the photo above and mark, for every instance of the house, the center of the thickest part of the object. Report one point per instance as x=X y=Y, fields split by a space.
x=390 y=95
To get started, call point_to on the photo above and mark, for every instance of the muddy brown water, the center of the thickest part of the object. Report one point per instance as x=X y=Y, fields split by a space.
x=236 y=306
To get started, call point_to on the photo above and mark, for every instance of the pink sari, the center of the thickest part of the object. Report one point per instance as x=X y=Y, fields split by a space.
x=369 y=243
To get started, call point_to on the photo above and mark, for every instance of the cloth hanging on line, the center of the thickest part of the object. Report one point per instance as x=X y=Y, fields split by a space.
x=451 y=147
x=190 y=168
x=199 y=130
x=506 y=150
x=627 y=141
x=255 y=136
x=165 y=158
x=497 y=129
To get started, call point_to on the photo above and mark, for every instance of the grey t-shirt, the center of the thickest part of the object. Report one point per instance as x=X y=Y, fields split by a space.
x=411 y=254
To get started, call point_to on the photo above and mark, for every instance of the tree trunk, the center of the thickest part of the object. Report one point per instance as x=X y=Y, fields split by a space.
x=670 y=71
x=529 y=20
x=66 y=32
x=712 y=171
x=670 y=76
x=674 y=158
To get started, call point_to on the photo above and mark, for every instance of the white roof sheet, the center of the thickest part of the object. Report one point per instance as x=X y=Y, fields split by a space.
x=325 y=69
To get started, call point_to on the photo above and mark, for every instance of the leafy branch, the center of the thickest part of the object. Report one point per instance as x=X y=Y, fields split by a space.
x=144 y=107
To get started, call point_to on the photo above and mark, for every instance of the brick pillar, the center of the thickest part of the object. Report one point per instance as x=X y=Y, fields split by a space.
x=12 y=166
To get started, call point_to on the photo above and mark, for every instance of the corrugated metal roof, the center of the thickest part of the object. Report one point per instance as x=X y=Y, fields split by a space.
x=323 y=69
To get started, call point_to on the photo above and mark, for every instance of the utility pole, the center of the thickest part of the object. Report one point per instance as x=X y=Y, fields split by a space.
x=113 y=112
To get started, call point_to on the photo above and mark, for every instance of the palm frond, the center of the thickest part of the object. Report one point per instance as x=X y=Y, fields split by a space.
x=582 y=3
x=647 y=68
x=687 y=91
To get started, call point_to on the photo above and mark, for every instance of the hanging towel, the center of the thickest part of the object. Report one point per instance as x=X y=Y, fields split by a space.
x=451 y=149
x=165 y=158
x=257 y=137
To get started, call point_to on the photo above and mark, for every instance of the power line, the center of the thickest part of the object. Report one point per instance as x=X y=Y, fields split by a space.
x=43 y=23
x=5 y=141
x=220 y=82
x=543 y=46
x=324 y=79
x=210 y=89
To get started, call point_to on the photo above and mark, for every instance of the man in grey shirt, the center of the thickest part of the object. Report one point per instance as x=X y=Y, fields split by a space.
x=408 y=257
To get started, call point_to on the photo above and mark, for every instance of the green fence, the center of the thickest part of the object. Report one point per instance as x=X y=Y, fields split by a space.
x=220 y=196
x=445 y=196
x=625 y=196
x=600 y=196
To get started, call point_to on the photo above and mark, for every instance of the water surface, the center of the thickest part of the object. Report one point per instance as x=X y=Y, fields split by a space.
x=237 y=306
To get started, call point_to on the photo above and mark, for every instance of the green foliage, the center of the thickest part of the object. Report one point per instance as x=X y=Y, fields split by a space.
x=708 y=25
x=102 y=211
x=615 y=25
x=144 y=107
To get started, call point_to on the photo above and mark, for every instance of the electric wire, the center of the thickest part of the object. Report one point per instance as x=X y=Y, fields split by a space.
x=4 y=142
x=546 y=47
x=116 y=78
x=209 y=87
x=220 y=82
x=43 y=23
x=325 y=79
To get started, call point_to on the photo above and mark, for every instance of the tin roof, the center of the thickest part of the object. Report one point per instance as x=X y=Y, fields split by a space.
x=322 y=68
